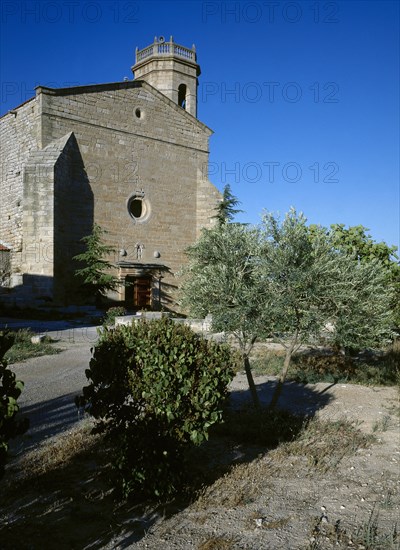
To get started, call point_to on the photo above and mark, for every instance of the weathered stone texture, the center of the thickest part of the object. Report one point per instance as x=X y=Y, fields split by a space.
x=79 y=155
x=162 y=154
x=18 y=137
x=57 y=214
x=167 y=67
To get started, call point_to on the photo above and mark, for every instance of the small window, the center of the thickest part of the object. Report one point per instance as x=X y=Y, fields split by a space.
x=138 y=113
x=182 y=96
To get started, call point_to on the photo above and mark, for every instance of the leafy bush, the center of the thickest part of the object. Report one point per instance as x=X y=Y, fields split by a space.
x=155 y=387
x=111 y=314
x=10 y=390
x=368 y=368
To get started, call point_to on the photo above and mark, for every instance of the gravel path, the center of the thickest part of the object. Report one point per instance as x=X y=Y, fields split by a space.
x=51 y=384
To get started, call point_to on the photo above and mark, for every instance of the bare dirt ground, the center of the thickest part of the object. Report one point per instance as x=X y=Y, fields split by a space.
x=329 y=492
x=287 y=503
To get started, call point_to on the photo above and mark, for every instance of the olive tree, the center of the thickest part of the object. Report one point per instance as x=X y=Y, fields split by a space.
x=357 y=242
x=284 y=281
x=308 y=283
x=222 y=279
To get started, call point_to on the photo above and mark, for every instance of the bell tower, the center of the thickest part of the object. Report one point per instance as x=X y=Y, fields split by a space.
x=171 y=69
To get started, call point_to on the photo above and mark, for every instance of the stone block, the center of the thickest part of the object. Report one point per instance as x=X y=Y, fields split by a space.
x=126 y=320
x=38 y=338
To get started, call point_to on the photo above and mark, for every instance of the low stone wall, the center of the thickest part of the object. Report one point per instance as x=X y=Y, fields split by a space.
x=126 y=320
x=197 y=325
x=129 y=319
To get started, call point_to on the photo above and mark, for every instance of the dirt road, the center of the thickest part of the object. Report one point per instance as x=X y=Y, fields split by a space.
x=52 y=382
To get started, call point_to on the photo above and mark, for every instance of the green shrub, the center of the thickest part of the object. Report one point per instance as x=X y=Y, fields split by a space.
x=10 y=390
x=367 y=367
x=22 y=347
x=155 y=387
x=374 y=368
x=111 y=314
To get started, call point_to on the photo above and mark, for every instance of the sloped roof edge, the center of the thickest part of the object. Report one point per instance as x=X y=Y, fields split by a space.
x=93 y=88
x=51 y=153
x=12 y=111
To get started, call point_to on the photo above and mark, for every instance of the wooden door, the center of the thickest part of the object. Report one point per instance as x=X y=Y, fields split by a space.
x=142 y=292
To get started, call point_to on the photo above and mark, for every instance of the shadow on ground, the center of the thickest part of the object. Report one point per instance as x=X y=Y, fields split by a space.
x=74 y=505
x=295 y=397
x=47 y=419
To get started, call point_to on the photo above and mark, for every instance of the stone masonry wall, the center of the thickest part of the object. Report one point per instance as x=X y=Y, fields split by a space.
x=166 y=75
x=134 y=141
x=73 y=211
x=18 y=137
x=58 y=206
x=208 y=197
x=38 y=224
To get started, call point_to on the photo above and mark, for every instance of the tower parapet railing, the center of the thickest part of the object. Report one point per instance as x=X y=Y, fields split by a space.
x=160 y=48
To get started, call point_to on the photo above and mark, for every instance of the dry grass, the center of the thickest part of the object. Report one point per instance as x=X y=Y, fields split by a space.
x=61 y=491
x=217 y=543
x=23 y=348
x=378 y=368
x=56 y=454
x=257 y=519
x=366 y=536
x=267 y=362
x=320 y=445
x=324 y=444
x=267 y=427
x=238 y=487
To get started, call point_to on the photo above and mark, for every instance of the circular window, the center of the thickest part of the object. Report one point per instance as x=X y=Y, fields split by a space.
x=138 y=113
x=138 y=208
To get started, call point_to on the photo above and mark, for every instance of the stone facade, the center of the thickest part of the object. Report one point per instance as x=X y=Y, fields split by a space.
x=123 y=155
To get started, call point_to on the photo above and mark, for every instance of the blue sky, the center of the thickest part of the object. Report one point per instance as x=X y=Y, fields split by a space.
x=302 y=96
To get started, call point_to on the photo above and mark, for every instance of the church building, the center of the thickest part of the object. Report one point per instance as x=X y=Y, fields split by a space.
x=129 y=156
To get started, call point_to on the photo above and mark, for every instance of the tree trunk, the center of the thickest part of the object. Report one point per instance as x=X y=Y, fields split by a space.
x=286 y=363
x=282 y=378
x=252 y=386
